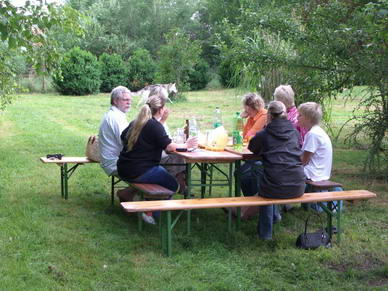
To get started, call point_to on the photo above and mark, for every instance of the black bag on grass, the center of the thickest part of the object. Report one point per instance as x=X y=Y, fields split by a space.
x=312 y=240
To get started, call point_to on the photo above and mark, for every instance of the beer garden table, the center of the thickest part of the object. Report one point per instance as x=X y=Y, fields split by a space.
x=208 y=162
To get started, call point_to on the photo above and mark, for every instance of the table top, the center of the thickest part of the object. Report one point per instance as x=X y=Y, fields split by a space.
x=206 y=156
x=244 y=152
x=68 y=160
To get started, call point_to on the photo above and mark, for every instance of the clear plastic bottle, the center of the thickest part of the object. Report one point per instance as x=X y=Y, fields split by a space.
x=217 y=118
x=193 y=127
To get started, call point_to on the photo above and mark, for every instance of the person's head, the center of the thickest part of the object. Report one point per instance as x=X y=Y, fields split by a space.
x=276 y=110
x=310 y=114
x=121 y=98
x=252 y=103
x=285 y=94
x=153 y=108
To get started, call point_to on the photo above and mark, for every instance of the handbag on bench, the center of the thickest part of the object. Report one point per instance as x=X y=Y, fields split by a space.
x=92 y=149
x=313 y=240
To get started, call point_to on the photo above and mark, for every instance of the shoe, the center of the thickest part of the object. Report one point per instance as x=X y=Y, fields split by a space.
x=277 y=218
x=148 y=219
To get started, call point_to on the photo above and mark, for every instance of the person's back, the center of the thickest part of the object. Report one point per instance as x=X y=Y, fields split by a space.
x=317 y=148
x=283 y=176
x=112 y=124
x=278 y=145
x=318 y=142
x=111 y=127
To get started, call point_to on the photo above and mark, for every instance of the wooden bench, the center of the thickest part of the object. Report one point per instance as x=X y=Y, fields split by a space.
x=166 y=206
x=66 y=171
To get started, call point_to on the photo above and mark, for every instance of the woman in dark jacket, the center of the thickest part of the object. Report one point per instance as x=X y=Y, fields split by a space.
x=283 y=175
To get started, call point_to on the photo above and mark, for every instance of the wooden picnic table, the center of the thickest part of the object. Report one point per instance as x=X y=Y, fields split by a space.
x=207 y=162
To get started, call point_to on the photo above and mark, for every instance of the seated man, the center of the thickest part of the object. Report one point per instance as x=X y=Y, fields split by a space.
x=112 y=125
x=317 y=156
x=283 y=176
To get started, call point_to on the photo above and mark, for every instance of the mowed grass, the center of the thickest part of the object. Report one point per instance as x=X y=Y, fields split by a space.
x=48 y=243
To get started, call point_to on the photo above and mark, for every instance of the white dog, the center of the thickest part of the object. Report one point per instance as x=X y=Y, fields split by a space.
x=163 y=89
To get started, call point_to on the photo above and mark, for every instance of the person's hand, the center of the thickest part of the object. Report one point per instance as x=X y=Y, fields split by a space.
x=165 y=114
x=192 y=142
x=244 y=114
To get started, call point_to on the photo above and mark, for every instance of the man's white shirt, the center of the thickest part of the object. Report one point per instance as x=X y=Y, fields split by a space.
x=318 y=142
x=111 y=127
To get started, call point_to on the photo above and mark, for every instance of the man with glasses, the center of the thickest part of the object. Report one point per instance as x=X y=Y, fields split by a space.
x=111 y=127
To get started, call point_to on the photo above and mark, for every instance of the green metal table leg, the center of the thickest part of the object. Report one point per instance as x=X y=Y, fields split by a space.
x=189 y=188
x=210 y=179
x=203 y=168
x=237 y=190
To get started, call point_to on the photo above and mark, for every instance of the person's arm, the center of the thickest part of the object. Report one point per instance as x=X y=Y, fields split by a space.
x=306 y=157
x=257 y=126
x=255 y=144
x=192 y=142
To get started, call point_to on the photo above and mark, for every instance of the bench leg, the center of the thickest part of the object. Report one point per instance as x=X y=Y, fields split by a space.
x=166 y=228
x=332 y=210
x=140 y=221
x=112 y=191
x=62 y=181
x=338 y=214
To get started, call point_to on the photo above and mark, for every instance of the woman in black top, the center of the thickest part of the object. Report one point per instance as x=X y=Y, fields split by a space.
x=144 y=140
x=283 y=176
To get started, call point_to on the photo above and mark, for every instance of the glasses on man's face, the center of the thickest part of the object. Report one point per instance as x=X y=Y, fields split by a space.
x=125 y=99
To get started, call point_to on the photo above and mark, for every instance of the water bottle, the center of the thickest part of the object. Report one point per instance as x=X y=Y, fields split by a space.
x=238 y=127
x=239 y=123
x=237 y=140
x=217 y=117
x=193 y=127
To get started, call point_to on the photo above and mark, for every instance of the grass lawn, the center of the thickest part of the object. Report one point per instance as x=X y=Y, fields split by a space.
x=48 y=243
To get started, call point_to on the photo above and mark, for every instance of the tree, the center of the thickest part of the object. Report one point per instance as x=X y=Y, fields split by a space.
x=141 y=69
x=113 y=72
x=177 y=58
x=26 y=31
x=80 y=73
x=320 y=48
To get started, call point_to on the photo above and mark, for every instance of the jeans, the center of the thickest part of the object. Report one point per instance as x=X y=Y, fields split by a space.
x=158 y=175
x=251 y=171
x=315 y=206
x=268 y=215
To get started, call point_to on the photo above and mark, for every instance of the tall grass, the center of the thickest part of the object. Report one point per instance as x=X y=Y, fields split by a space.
x=83 y=243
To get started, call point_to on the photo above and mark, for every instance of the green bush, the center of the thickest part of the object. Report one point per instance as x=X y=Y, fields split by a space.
x=141 y=69
x=113 y=71
x=80 y=73
x=199 y=76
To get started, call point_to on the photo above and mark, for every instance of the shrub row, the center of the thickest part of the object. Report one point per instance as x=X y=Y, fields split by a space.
x=82 y=73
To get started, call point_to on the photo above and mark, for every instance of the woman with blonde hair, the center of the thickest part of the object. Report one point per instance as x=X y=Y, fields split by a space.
x=144 y=140
x=255 y=113
x=285 y=94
